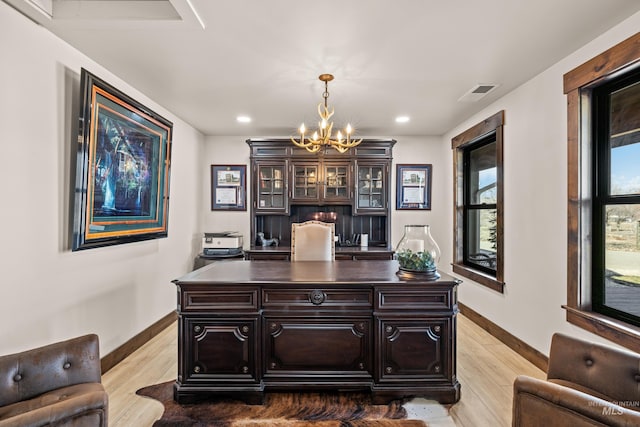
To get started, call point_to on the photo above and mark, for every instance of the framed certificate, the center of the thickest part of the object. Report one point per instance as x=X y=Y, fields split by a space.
x=228 y=187
x=413 y=186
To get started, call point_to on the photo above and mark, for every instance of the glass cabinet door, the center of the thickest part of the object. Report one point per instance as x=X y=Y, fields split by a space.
x=305 y=181
x=272 y=187
x=371 y=188
x=336 y=182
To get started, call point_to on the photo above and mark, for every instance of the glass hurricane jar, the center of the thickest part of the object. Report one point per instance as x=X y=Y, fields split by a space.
x=417 y=253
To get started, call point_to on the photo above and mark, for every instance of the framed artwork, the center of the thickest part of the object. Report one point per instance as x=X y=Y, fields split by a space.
x=122 y=169
x=413 y=186
x=228 y=187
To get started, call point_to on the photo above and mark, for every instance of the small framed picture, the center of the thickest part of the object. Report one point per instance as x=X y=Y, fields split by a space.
x=413 y=186
x=228 y=187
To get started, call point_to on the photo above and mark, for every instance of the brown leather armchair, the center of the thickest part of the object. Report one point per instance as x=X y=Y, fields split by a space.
x=58 y=384
x=587 y=384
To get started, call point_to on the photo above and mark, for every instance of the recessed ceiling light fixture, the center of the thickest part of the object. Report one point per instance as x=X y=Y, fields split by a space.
x=402 y=119
x=243 y=119
x=478 y=92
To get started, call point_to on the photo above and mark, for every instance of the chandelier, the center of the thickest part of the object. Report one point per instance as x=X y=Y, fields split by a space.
x=324 y=135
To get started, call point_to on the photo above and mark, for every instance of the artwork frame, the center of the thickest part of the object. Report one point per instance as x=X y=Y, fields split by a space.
x=413 y=186
x=123 y=168
x=229 y=187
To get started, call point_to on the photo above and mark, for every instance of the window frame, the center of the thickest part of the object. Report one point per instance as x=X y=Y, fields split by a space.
x=603 y=197
x=475 y=137
x=579 y=84
x=468 y=206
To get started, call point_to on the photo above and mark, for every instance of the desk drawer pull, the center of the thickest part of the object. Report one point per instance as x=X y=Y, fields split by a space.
x=317 y=297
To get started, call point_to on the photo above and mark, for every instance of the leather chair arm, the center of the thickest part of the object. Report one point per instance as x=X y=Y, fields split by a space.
x=538 y=403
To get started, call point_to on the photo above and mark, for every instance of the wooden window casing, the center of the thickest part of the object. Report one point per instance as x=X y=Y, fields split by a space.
x=476 y=135
x=578 y=86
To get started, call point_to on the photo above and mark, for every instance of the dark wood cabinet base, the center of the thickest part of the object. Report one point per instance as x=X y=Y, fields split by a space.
x=379 y=396
x=246 y=328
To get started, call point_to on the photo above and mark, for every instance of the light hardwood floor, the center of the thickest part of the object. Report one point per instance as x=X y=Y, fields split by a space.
x=486 y=370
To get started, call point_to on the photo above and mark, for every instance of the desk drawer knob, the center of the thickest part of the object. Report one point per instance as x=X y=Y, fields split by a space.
x=317 y=297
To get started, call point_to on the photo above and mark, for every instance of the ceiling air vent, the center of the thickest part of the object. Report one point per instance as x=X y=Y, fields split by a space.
x=478 y=92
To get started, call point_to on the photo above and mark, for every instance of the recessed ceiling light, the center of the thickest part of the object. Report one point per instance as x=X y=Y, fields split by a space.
x=243 y=119
x=402 y=119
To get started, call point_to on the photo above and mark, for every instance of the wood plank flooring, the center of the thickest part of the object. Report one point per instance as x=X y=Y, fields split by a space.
x=486 y=370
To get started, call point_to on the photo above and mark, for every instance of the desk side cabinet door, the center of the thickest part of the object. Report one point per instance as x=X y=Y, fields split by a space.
x=331 y=348
x=220 y=351
x=414 y=350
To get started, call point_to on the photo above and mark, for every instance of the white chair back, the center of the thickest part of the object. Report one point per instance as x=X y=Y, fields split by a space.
x=313 y=241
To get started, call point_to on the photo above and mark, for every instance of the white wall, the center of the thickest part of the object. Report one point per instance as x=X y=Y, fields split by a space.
x=221 y=150
x=535 y=200
x=422 y=150
x=48 y=292
x=224 y=150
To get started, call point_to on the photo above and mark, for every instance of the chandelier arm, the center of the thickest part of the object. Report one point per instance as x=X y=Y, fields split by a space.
x=350 y=144
x=302 y=143
x=310 y=146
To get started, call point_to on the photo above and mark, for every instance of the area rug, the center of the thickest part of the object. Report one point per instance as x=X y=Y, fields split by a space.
x=345 y=409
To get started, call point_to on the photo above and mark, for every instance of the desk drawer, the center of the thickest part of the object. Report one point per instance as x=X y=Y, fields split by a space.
x=316 y=297
x=414 y=299
x=219 y=299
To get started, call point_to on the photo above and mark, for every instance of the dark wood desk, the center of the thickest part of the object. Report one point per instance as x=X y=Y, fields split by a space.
x=246 y=327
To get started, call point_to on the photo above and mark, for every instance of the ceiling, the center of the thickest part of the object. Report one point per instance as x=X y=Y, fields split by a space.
x=209 y=61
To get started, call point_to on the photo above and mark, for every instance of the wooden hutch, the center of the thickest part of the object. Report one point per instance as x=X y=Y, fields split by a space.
x=290 y=184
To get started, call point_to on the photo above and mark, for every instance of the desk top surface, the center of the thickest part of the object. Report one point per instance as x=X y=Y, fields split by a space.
x=300 y=272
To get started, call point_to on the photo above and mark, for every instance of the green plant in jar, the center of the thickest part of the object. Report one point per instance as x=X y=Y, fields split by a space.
x=415 y=261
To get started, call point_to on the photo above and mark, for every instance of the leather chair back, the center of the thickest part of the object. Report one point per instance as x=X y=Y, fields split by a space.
x=593 y=367
x=33 y=372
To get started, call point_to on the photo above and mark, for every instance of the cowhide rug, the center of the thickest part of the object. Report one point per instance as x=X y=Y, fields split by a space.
x=285 y=410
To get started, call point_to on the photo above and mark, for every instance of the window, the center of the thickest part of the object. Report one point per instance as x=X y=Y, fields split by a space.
x=616 y=201
x=477 y=164
x=480 y=203
x=603 y=197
